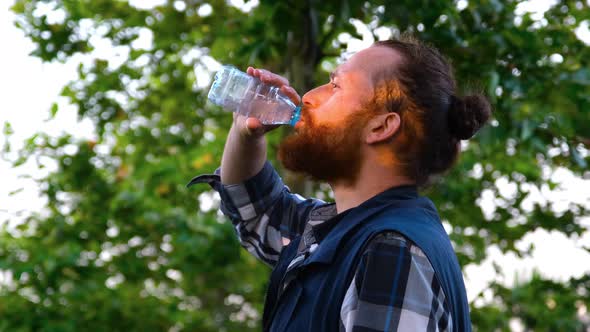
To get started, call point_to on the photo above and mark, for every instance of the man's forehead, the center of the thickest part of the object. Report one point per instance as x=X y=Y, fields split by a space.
x=370 y=61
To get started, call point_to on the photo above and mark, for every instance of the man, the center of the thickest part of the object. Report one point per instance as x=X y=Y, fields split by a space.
x=378 y=259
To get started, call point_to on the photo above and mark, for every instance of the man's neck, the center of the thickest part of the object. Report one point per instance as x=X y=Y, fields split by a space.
x=369 y=183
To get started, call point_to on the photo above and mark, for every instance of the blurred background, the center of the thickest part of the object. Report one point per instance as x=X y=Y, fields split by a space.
x=104 y=120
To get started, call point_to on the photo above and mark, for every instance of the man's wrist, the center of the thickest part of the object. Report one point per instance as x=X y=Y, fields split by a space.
x=243 y=157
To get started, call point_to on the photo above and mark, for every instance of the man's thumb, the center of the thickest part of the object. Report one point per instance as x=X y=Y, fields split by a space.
x=255 y=127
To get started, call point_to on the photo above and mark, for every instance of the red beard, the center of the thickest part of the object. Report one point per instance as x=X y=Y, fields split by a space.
x=326 y=152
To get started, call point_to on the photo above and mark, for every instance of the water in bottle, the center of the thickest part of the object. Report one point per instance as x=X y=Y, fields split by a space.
x=239 y=92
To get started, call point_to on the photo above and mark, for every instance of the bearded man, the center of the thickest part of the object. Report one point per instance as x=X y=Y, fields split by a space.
x=378 y=258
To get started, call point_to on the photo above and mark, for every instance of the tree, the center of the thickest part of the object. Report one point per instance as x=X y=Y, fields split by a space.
x=125 y=245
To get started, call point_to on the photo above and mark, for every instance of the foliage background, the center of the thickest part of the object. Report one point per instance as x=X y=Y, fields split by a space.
x=124 y=245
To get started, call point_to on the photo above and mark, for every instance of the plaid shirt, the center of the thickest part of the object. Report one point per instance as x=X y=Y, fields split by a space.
x=394 y=287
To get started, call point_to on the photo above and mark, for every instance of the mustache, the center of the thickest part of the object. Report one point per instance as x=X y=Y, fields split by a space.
x=305 y=116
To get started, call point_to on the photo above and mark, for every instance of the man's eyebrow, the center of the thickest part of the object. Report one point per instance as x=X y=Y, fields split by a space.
x=334 y=74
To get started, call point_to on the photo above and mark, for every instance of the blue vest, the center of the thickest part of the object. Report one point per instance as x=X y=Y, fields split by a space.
x=313 y=297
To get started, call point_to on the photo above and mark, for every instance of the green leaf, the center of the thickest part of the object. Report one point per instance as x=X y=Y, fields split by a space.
x=53 y=110
x=527 y=128
x=14 y=192
x=7 y=129
x=493 y=82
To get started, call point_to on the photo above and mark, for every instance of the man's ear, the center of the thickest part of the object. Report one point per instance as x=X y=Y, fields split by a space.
x=382 y=128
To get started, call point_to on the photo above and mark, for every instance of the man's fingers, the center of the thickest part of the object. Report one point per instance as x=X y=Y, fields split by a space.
x=274 y=79
x=267 y=76
x=256 y=128
x=253 y=124
x=291 y=93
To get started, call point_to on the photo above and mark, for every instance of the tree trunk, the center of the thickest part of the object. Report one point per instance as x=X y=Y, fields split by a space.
x=302 y=59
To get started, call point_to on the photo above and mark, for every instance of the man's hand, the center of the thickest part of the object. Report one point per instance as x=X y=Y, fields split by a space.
x=249 y=127
x=244 y=154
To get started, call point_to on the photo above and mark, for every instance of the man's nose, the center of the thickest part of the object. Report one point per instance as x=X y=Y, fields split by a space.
x=310 y=98
x=307 y=99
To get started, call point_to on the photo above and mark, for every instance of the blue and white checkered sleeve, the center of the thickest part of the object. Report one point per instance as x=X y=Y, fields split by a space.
x=394 y=289
x=265 y=214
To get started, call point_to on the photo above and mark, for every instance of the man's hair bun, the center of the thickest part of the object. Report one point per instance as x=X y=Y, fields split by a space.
x=467 y=115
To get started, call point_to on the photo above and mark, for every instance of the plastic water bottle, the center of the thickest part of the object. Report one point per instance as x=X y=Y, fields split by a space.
x=239 y=92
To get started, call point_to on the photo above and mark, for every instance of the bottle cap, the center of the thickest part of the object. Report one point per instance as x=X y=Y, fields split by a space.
x=296 y=116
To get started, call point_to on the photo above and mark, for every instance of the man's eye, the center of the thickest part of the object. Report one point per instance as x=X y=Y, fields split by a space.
x=334 y=85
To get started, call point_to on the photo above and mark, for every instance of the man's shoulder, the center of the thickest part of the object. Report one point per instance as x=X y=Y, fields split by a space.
x=392 y=240
x=389 y=238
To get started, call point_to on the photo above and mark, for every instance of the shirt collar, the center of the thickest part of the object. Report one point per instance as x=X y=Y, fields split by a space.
x=402 y=197
x=324 y=218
